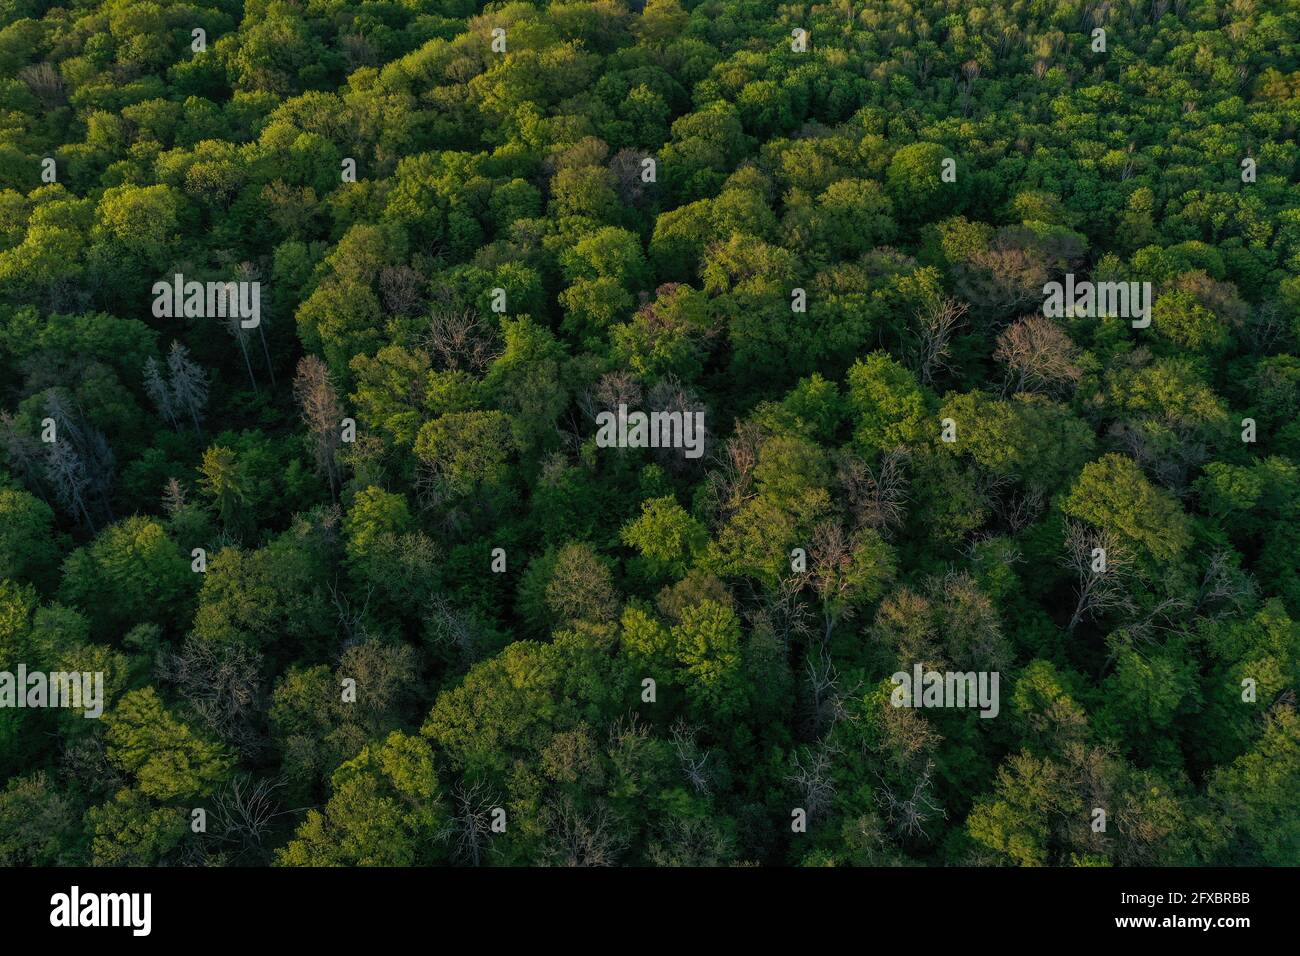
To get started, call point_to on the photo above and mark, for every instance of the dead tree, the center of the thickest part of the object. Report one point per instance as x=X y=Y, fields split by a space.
x=459 y=339
x=244 y=812
x=579 y=838
x=877 y=497
x=401 y=288
x=693 y=759
x=248 y=272
x=222 y=682
x=322 y=413
x=173 y=497
x=812 y=778
x=909 y=817
x=1102 y=566
x=1222 y=584
x=936 y=322
x=470 y=829
x=189 y=384
x=447 y=625
x=67 y=474
x=1038 y=356
x=159 y=391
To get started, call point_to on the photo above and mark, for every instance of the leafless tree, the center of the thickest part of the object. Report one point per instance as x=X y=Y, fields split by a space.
x=1023 y=509
x=322 y=413
x=1266 y=327
x=45 y=83
x=173 y=497
x=351 y=619
x=67 y=474
x=1003 y=279
x=1039 y=356
x=782 y=609
x=243 y=813
x=812 y=778
x=731 y=482
x=909 y=817
x=1172 y=463
x=877 y=497
x=619 y=387
x=402 y=289
x=189 y=384
x=827 y=694
x=626 y=165
x=1098 y=591
x=935 y=324
x=249 y=272
x=447 y=624
x=158 y=391
x=460 y=339
x=578 y=838
x=470 y=828
x=1223 y=585
x=830 y=561
x=692 y=757
x=1167 y=614
x=234 y=324
x=669 y=395
x=222 y=682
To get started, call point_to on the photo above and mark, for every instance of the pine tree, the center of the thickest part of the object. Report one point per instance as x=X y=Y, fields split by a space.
x=158 y=390
x=189 y=384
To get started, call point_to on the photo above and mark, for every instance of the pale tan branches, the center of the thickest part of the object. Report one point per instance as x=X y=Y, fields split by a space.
x=935 y=324
x=1039 y=356
x=460 y=339
x=876 y=497
x=322 y=413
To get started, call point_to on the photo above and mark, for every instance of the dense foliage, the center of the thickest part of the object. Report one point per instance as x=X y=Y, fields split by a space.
x=312 y=635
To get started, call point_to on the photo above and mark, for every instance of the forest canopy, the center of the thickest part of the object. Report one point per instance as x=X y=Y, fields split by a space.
x=324 y=332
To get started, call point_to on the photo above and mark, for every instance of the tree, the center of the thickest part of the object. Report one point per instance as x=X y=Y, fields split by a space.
x=914 y=182
x=28 y=547
x=386 y=809
x=936 y=322
x=667 y=537
x=889 y=406
x=1252 y=790
x=165 y=756
x=189 y=385
x=224 y=480
x=131 y=830
x=1038 y=355
x=322 y=414
x=132 y=572
x=1113 y=494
